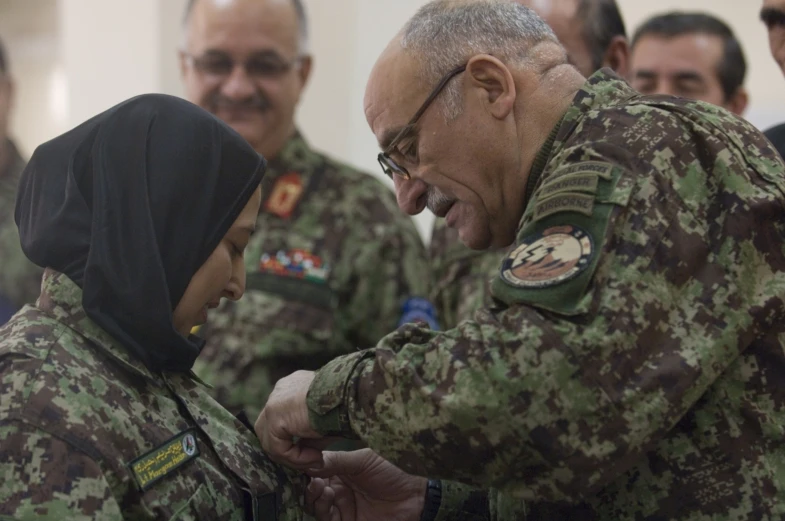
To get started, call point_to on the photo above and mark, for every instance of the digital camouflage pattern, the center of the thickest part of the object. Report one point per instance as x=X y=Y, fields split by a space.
x=648 y=384
x=76 y=410
x=461 y=277
x=372 y=261
x=20 y=279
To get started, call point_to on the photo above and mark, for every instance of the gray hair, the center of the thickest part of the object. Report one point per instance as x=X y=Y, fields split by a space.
x=446 y=33
x=302 y=22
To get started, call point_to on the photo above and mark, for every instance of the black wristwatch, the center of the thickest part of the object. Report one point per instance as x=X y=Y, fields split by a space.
x=433 y=500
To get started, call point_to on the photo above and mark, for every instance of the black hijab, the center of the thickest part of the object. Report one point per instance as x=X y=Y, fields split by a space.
x=129 y=205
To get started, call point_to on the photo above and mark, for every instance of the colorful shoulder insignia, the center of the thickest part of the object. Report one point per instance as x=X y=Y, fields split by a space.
x=285 y=195
x=297 y=264
x=548 y=258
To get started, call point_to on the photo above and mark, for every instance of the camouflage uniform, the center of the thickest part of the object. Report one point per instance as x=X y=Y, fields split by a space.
x=632 y=366
x=461 y=277
x=20 y=279
x=337 y=271
x=87 y=432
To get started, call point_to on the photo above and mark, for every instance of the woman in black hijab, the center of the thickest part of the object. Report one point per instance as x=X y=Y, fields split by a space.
x=141 y=216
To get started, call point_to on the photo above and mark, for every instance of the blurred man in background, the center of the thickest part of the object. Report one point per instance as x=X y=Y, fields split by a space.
x=773 y=15
x=593 y=33
x=692 y=55
x=20 y=279
x=333 y=264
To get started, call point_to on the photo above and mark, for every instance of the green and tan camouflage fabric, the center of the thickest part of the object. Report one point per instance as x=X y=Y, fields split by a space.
x=20 y=279
x=87 y=432
x=632 y=366
x=336 y=274
x=462 y=277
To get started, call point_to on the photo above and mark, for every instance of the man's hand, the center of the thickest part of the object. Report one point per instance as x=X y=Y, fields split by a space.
x=284 y=419
x=362 y=486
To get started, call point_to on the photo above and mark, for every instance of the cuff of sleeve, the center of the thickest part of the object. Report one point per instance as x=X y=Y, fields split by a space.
x=463 y=503
x=328 y=400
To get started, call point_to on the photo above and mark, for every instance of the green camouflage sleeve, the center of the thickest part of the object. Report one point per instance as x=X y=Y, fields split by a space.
x=390 y=273
x=558 y=394
x=44 y=478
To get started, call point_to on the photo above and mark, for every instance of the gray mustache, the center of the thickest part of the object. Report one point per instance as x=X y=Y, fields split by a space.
x=256 y=102
x=437 y=200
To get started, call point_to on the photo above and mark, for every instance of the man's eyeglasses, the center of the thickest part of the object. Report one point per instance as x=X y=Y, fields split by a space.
x=389 y=166
x=220 y=65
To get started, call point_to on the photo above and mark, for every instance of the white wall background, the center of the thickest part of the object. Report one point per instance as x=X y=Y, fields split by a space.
x=74 y=58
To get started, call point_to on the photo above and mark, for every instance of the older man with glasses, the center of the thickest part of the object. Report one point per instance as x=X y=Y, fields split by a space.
x=629 y=367
x=333 y=263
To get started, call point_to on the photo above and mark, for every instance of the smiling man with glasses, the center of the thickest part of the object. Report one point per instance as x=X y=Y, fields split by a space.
x=333 y=263
x=628 y=366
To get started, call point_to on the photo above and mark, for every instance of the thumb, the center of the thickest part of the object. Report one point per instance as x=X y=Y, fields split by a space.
x=344 y=463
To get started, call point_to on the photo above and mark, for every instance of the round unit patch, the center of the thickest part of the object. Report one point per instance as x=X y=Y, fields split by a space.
x=545 y=259
x=189 y=444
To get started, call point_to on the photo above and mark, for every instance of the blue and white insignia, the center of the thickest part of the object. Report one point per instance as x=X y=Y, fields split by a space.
x=418 y=309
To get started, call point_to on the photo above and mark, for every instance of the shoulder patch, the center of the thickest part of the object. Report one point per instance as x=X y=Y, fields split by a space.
x=564 y=202
x=551 y=257
x=162 y=461
x=417 y=309
x=599 y=168
x=285 y=195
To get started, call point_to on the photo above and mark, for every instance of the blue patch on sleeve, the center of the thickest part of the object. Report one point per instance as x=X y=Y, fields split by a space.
x=417 y=309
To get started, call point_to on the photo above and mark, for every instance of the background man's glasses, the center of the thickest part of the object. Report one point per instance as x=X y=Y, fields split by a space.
x=219 y=65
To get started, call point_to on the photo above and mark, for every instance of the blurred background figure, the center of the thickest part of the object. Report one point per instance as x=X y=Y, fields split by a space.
x=773 y=15
x=333 y=264
x=692 y=55
x=20 y=279
x=461 y=277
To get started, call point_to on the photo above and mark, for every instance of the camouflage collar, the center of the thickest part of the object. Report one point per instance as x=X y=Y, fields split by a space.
x=602 y=89
x=62 y=299
x=295 y=155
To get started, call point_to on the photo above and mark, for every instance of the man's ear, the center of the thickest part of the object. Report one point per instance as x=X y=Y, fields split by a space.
x=492 y=81
x=738 y=102
x=306 y=66
x=617 y=56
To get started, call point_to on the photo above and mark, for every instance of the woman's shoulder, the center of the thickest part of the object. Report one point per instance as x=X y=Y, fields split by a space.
x=52 y=378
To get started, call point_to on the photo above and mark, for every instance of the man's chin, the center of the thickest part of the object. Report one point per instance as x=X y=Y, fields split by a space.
x=474 y=240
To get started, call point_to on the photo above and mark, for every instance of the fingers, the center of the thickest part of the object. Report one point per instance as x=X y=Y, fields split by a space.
x=343 y=463
x=319 y=499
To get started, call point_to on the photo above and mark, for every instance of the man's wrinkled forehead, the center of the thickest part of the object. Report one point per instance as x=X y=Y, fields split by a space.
x=393 y=94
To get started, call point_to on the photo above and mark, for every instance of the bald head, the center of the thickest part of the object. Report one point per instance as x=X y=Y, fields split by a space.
x=297 y=6
x=487 y=81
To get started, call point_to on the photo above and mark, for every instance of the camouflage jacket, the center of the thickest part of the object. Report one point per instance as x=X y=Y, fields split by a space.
x=461 y=277
x=20 y=279
x=87 y=432
x=632 y=365
x=333 y=265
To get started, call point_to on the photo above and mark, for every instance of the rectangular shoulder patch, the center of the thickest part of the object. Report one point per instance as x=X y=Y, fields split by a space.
x=599 y=168
x=580 y=182
x=162 y=461
x=564 y=202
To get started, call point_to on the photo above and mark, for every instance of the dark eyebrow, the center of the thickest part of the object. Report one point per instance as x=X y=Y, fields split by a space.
x=645 y=74
x=688 y=76
x=772 y=16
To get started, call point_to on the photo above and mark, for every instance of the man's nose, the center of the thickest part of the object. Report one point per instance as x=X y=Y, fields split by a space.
x=412 y=195
x=238 y=85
